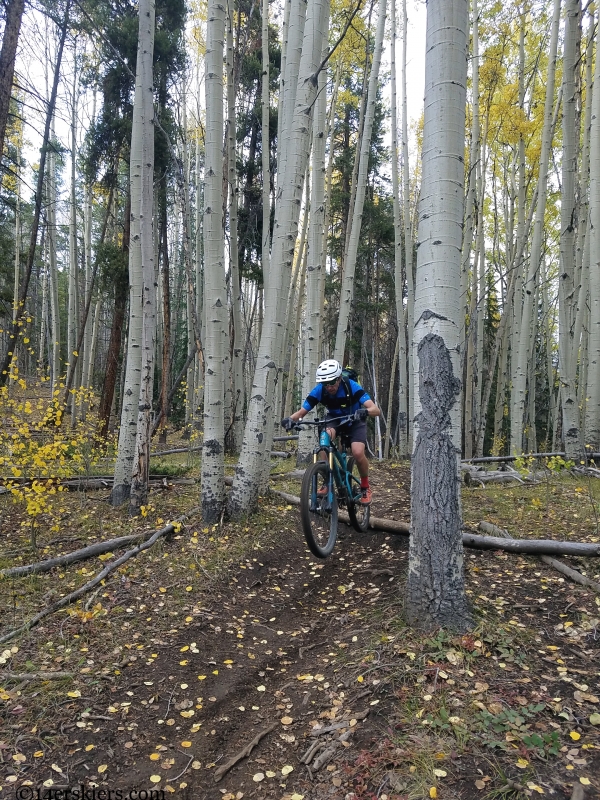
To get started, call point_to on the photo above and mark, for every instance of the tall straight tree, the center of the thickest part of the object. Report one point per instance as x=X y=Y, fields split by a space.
x=568 y=289
x=361 y=188
x=522 y=348
x=592 y=407
x=435 y=587
x=215 y=293
x=244 y=495
x=133 y=456
x=146 y=246
x=398 y=262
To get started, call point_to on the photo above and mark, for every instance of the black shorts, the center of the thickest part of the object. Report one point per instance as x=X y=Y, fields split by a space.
x=354 y=431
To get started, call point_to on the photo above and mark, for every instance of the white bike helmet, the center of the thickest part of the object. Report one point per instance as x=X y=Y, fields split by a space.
x=328 y=371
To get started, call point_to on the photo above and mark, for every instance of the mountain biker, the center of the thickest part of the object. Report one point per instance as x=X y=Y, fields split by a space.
x=342 y=397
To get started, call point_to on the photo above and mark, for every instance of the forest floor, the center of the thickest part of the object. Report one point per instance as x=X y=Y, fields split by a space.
x=221 y=635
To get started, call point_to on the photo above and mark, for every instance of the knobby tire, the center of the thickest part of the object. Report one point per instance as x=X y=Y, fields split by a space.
x=318 y=523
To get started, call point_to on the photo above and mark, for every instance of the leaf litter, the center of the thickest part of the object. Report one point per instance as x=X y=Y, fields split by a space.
x=362 y=707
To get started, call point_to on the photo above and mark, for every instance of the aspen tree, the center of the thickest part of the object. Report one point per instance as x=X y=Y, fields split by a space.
x=132 y=462
x=400 y=350
x=236 y=423
x=244 y=495
x=435 y=587
x=215 y=293
x=314 y=265
x=347 y=291
x=407 y=369
x=592 y=406
x=567 y=288
x=144 y=94
x=522 y=346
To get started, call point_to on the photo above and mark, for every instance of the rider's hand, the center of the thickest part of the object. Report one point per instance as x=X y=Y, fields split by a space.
x=361 y=415
x=287 y=423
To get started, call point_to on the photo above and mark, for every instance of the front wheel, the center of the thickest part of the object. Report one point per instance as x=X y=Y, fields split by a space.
x=319 y=511
x=359 y=514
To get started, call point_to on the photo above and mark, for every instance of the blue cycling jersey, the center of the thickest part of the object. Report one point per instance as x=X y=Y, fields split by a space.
x=348 y=398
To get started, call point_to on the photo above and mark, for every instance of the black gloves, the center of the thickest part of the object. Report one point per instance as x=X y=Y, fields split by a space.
x=287 y=423
x=361 y=415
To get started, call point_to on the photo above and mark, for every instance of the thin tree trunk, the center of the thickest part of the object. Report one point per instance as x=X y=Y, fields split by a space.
x=143 y=218
x=568 y=289
x=14 y=332
x=215 y=293
x=10 y=39
x=236 y=424
x=399 y=265
x=592 y=407
x=347 y=291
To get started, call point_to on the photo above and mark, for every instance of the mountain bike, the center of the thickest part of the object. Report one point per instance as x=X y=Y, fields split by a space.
x=327 y=485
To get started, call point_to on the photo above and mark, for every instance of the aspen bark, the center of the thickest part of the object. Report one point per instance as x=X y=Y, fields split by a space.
x=592 y=406
x=567 y=288
x=244 y=494
x=435 y=592
x=215 y=293
x=347 y=290
x=144 y=249
x=400 y=351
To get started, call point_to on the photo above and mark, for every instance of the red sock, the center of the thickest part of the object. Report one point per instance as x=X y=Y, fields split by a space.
x=364 y=483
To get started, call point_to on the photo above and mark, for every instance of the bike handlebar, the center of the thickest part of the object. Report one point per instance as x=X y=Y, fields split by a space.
x=300 y=424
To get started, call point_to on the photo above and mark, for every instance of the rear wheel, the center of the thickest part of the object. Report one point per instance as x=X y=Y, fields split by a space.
x=359 y=514
x=319 y=512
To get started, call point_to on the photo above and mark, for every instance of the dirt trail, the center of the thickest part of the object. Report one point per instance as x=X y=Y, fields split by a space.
x=267 y=648
x=287 y=645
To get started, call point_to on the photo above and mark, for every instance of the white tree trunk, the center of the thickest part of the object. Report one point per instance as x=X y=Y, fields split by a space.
x=398 y=262
x=144 y=96
x=215 y=292
x=141 y=259
x=315 y=261
x=54 y=306
x=568 y=290
x=244 y=495
x=237 y=401
x=73 y=308
x=406 y=371
x=592 y=407
x=347 y=291
x=435 y=585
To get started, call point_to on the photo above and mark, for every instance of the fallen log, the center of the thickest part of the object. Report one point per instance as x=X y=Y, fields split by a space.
x=575 y=576
x=71 y=558
x=97 y=579
x=533 y=546
x=376 y=523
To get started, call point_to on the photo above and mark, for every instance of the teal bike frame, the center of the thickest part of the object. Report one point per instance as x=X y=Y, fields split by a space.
x=340 y=478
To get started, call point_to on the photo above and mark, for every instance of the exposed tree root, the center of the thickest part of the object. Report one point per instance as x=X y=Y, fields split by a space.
x=35 y=676
x=71 y=598
x=244 y=753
